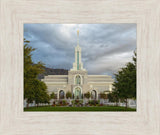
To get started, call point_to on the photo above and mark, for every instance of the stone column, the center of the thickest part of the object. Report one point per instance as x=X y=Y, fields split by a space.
x=58 y=95
x=96 y=95
x=65 y=95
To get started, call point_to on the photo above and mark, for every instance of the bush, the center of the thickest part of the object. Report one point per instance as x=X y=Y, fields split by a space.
x=77 y=102
x=52 y=95
x=62 y=103
x=93 y=102
x=54 y=103
x=103 y=96
x=87 y=95
x=68 y=94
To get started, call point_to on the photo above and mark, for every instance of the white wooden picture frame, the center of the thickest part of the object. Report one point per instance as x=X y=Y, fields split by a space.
x=145 y=121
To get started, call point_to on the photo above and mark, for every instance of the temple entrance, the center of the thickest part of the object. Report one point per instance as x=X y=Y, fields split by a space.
x=77 y=93
x=61 y=94
x=93 y=94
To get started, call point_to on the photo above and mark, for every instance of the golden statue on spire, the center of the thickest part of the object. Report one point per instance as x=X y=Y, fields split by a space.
x=77 y=32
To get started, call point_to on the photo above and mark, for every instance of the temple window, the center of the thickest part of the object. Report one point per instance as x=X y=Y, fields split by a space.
x=78 y=79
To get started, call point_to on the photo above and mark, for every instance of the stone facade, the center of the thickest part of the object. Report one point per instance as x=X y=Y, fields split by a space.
x=78 y=81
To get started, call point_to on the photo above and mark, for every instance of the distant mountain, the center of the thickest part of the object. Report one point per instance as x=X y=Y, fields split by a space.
x=51 y=71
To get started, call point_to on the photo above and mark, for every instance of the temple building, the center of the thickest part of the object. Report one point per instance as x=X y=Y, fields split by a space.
x=78 y=81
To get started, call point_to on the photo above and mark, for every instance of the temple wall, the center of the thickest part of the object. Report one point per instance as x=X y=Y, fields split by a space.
x=100 y=83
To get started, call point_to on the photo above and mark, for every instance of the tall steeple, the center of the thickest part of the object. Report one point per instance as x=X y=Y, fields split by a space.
x=77 y=65
x=77 y=37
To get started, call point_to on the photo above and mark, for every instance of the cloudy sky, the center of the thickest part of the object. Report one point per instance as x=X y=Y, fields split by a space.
x=105 y=47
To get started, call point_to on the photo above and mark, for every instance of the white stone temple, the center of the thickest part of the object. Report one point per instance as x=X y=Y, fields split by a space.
x=78 y=81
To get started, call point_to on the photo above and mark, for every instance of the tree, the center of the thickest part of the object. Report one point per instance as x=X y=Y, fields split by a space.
x=113 y=97
x=37 y=92
x=52 y=96
x=87 y=95
x=125 y=84
x=40 y=93
x=29 y=93
x=33 y=88
x=68 y=94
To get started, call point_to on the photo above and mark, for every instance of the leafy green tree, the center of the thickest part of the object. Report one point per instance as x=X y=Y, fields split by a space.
x=40 y=92
x=29 y=93
x=113 y=97
x=52 y=96
x=125 y=84
x=33 y=88
x=87 y=95
x=68 y=94
x=31 y=70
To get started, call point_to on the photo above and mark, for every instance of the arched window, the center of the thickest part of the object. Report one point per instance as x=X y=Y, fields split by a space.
x=93 y=94
x=78 y=79
x=61 y=94
x=77 y=93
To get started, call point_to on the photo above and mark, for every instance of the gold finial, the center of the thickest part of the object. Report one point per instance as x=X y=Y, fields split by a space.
x=78 y=32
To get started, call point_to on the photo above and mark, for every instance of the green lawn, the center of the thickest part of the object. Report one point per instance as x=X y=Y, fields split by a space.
x=59 y=108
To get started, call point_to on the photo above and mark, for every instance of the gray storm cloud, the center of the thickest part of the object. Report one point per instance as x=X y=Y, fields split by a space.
x=105 y=47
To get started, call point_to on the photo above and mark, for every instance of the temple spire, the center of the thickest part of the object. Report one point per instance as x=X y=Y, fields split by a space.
x=77 y=37
x=77 y=65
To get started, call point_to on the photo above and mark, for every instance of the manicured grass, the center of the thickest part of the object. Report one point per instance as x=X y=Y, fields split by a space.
x=59 y=108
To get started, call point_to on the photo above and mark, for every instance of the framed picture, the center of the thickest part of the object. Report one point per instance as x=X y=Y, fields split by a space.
x=15 y=119
x=91 y=69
